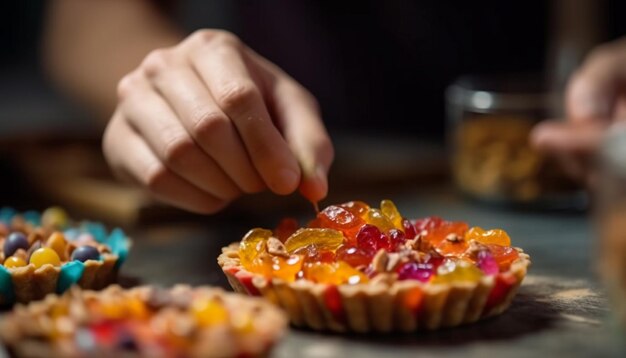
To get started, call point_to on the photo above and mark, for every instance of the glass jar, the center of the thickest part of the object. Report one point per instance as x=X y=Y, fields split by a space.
x=489 y=121
x=610 y=215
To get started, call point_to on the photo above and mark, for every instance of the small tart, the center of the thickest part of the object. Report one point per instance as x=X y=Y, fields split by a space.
x=47 y=253
x=143 y=322
x=362 y=269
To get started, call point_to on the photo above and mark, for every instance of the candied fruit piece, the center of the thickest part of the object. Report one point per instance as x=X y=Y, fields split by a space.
x=338 y=218
x=377 y=218
x=452 y=245
x=503 y=255
x=357 y=208
x=14 y=261
x=57 y=242
x=252 y=245
x=354 y=256
x=457 y=270
x=409 y=230
x=415 y=271
x=371 y=239
x=14 y=242
x=285 y=228
x=397 y=239
x=494 y=236
x=286 y=268
x=54 y=217
x=43 y=256
x=84 y=253
x=428 y=223
x=208 y=312
x=312 y=254
x=389 y=209
x=322 y=239
x=487 y=263
x=446 y=231
x=337 y=273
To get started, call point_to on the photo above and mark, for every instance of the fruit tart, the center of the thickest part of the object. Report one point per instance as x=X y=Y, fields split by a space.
x=361 y=269
x=48 y=253
x=143 y=322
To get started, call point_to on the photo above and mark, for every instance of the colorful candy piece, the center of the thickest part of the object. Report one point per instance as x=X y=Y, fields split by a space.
x=84 y=253
x=43 y=256
x=57 y=242
x=357 y=208
x=409 y=230
x=338 y=273
x=415 y=271
x=487 y=263
x=457 y=270
x=338 y=218
x=310 y=253
x=494 y=236
x=389 y=209
x=354 y=256
x=396 y=239
x=252 y=245
x=428 y=223
x=377 y=218
x=452 y=244
x=285 y=228
x=15 y=241
x=503 y=255
x=54 y=217
x=208 y=312
x=286 y=268
x=446 y=231
x=14 y=261
x=370 y=239
x=322 y=239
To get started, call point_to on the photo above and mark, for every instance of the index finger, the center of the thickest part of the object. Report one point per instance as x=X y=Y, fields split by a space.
x=219 y=63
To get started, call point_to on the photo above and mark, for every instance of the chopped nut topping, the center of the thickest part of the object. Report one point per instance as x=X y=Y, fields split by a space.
x=475 y=247
x=276 y=247
x=452 y=237
x=379 y=263
x=393 y=261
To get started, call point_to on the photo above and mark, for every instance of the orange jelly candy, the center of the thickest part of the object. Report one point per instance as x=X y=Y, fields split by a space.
x=286 y=268
x=285 y=228
x=357 y=208
x=494 y=236
x=389 y=209
x=252 y=245
x=322 y=239
x=337 y=273
x=504 y=255
x=439 y=234
x=341 y=219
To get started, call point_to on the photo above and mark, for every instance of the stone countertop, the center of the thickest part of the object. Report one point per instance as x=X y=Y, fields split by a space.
x=561 y=309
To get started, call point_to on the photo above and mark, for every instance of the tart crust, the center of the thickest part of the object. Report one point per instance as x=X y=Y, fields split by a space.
x=382 y=305
x=23 y=330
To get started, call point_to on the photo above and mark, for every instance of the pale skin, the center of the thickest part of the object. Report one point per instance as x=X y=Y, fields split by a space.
x=595 y=98
x=198 y=121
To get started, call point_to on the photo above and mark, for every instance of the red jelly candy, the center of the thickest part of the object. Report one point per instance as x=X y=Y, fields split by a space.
x=487 y=263
x=396 y=238
x=286 y=227
x=371 y=239
x=409 y=229
x=503 y=255
x=354 y=256
x=338 y=218
x=415 y=271
x=428 y=223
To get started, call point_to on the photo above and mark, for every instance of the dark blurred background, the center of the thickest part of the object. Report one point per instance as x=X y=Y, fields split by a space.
x=378 y=68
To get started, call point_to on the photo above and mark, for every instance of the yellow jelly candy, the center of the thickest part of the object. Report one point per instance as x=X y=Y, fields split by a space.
x=337 y=273
x=389 y=209
x=43 y=256
x=321 y=239
x=286 y=268
x=495 y=236
x=381 y=221
x=252 y=245
x=208 y=312
x=455 y=271
x=14 y=261
x=57 y=242
x=54 y=217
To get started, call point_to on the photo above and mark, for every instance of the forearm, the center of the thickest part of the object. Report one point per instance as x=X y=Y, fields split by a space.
x=90 y=45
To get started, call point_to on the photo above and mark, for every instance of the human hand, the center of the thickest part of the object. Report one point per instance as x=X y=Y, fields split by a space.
x=595 y=98
x=203 y=122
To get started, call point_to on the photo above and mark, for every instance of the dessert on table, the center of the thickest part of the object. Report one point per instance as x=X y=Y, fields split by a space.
x=47 y=253
x=360 y=268
x=143 y=322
